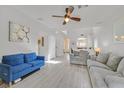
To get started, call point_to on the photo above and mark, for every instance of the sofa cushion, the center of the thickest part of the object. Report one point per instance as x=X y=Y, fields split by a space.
x=102 y=57
x=21 y=67
x=13 y=60
x=104 y=72
x=91 y=63
x=114 y=81
x=113 y=61
x=76 y=53
x=36 y=62
x=30 y=57
x=121 y=67
x=97 y=80
x=98 y=76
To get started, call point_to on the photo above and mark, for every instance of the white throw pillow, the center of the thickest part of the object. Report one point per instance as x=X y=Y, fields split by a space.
x=114 y=81
x=102 y=57
x=113 y=61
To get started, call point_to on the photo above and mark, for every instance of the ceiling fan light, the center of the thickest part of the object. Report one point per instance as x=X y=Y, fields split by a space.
x=66 y=20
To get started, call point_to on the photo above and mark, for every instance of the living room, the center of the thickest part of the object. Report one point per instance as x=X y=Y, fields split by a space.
x=55 y=46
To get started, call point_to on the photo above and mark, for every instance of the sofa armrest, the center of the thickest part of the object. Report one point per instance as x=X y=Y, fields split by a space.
x=41 y=58
x=71 y=54
x=114 y=81
x=6 y=72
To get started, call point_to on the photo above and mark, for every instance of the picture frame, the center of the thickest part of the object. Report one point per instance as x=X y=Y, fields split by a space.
x=18 y=33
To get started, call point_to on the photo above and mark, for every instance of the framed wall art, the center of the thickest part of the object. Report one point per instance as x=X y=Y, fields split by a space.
x=18 y=33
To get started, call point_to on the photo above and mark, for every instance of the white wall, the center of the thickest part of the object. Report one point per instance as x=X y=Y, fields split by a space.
x=104 y=39
x=7 y=13
x=59 y=44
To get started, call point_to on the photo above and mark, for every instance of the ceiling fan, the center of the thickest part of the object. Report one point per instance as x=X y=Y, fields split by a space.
x=68 y=16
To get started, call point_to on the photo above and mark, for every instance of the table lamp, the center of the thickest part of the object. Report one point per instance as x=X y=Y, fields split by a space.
x=97 y=50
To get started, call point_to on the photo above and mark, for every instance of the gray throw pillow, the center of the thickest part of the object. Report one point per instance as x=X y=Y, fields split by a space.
x=121 y=67
x=113 y=61
x=102 y=57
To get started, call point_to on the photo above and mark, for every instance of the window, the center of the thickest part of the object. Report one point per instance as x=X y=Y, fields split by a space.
x=82 y=43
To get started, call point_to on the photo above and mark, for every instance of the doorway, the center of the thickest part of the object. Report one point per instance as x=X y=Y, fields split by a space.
x=66 y=45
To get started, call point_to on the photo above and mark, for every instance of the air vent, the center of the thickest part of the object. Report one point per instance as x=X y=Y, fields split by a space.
x=40 y=19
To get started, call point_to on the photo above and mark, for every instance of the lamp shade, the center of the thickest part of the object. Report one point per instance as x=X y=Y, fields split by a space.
x=97 y=49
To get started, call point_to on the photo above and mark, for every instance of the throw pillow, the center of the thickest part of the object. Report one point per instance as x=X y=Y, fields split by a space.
x=121 y=67
x=113 y=61
x=102 y=57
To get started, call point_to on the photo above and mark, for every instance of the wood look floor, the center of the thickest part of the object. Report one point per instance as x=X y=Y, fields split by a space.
x=58 y=73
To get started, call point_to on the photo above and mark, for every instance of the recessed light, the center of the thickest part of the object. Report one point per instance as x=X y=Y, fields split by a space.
x=99 y=23
x=40 y=19
x=82 y=34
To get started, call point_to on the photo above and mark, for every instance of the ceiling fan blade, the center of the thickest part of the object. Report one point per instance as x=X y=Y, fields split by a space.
x=75 y=18
x=57 y=16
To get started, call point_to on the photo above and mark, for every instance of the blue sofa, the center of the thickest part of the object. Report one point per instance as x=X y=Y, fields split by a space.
x=17 y=65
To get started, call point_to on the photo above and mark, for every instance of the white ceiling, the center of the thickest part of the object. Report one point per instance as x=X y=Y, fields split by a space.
x=91 y=16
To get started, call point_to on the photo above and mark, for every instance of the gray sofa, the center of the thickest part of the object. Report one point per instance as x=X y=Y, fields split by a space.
x=107 y=74
x=80 y=59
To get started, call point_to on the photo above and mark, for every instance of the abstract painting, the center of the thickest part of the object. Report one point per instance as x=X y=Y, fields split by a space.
x=18 y=33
